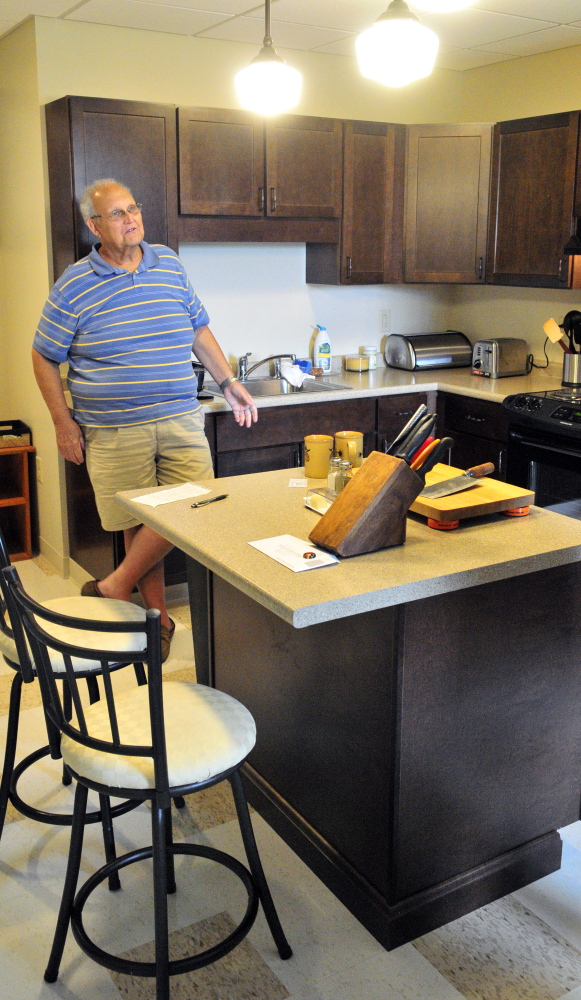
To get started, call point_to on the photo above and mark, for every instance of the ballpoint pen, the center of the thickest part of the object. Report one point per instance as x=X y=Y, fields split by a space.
x=200 y=503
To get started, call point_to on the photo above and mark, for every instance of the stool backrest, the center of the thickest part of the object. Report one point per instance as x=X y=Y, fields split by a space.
x=29 y=617
x=5 y=622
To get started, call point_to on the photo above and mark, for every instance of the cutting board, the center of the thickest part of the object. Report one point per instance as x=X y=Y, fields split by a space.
x=488 y=497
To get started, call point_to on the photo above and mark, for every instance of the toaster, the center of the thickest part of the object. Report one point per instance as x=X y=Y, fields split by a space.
x=428 y=350
x=500 y=357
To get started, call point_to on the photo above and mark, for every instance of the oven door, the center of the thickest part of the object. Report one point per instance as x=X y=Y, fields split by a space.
x=549 y=464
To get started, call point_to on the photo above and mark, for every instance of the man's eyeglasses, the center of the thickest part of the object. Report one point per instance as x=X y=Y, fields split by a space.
x=120 y=213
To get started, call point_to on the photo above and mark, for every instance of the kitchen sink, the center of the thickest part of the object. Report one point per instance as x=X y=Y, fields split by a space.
x=280 y=386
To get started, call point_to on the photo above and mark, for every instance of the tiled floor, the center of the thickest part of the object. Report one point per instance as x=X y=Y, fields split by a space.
x=524 y=947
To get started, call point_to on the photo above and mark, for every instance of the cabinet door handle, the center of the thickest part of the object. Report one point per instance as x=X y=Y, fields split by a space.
x=273 y=199
x=349 y=267
x=480 y=268
x=563 y=269
x=474 y=420
x=261 y=198
x=297 y=458
x=403 y=413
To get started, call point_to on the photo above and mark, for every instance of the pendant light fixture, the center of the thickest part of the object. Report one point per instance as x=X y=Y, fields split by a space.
x=397 y=49
x=442 y=6
x=268 y=86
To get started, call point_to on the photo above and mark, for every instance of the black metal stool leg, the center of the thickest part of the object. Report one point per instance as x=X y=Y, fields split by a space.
x=109 y=839
x=255 y=865
x=160 y=874
x=179 y=801
x=10 y=749
x=68 y=709
x=70 y=886
x=171 y=878
x=140 y=674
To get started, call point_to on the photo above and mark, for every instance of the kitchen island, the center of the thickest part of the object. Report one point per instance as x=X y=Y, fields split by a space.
x=417 y=708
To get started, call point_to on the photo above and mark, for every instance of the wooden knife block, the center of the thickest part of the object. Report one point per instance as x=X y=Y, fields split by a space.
x=370 y=512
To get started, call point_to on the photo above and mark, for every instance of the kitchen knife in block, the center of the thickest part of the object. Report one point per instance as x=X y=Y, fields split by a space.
x=370 y=512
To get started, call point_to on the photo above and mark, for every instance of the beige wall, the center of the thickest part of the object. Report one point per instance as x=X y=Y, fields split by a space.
x=24 y=280
x=519 y=88
x=102 y=61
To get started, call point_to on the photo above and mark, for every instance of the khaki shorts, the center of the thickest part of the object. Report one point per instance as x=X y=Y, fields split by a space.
x=129 y=458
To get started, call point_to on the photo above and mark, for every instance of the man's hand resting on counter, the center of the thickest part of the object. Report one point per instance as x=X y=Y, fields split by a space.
x=242 y=403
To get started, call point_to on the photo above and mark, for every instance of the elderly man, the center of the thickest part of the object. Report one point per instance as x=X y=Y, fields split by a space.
x=124 y=318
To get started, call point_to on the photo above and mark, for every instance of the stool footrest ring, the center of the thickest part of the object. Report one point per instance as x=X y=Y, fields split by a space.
x=181 y=965
x=56 y=819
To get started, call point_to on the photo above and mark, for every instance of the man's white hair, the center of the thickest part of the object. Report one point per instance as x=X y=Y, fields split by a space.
x=87 y=204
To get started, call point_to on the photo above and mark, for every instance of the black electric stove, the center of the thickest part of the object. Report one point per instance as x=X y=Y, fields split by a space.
x=544 y=447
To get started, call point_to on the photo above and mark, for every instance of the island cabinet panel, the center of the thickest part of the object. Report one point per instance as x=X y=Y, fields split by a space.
x=324 y=701
x=532 y=200
x=276 y=440
x=221 y=162
x=393 y=413
x=479 y=430
x=447 y=191
x=409 y=754
x=371 y=249
x=89 y=138
x=523 y=760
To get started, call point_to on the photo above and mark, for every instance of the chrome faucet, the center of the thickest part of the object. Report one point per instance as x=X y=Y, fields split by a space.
x=244 y=371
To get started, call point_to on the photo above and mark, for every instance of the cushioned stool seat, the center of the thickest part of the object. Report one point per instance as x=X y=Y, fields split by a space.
x=207 y=732
x=98 y=609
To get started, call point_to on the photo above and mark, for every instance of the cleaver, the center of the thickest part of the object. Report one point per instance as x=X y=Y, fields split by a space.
x=458 y=483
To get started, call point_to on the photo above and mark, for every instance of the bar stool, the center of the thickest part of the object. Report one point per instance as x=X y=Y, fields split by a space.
x=147 y=744
x=89 y=669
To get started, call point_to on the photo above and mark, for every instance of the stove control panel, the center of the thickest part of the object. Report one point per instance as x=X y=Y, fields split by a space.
x=556 y=410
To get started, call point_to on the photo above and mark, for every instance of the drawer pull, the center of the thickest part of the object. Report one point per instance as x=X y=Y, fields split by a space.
x=273 y=199
x=349 y=268
x=403 y=413
x=474 y=420
x=261 y=199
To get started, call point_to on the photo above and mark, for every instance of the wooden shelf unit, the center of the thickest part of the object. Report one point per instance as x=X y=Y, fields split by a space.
x=15 y=500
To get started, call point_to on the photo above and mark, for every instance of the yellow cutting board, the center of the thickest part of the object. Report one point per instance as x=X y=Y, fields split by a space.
x=488 y=497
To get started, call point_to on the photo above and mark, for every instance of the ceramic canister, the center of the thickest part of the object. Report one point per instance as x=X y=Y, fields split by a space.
x=318 y=451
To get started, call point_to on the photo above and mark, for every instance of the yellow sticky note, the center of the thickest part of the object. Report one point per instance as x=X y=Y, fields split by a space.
x=552 y=330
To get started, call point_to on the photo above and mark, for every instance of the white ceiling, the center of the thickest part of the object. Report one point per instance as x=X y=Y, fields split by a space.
x=486 y=32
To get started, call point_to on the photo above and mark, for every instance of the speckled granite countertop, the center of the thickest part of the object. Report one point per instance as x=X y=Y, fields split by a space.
x=392 y=381
x=431 y=562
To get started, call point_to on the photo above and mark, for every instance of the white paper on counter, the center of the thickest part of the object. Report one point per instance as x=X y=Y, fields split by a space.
x=291 y=552
x=302 y=483
x=182 y=492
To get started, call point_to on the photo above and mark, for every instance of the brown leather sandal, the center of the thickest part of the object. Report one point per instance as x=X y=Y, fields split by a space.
x=167 y=632
x=91 y=589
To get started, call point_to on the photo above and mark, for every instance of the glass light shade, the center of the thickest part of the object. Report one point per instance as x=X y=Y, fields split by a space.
x=268 y=86
x=396 y=51
x=442 y=6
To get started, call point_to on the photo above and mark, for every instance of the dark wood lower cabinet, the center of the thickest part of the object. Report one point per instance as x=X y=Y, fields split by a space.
x=420 y=759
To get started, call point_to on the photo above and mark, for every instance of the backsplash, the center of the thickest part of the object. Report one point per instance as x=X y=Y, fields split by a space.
x=258 y=300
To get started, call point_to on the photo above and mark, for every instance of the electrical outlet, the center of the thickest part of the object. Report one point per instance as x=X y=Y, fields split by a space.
x=384 y=320
x=38 y=469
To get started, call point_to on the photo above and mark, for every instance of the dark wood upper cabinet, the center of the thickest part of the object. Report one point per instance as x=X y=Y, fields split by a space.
x=532 y=200
x=134 y=142
x=233 y=163
x=371 y=250
x=447 y=191
x=304 y=167
x=221 y=162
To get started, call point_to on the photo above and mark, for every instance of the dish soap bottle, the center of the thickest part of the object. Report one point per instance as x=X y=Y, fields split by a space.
x=322 y=349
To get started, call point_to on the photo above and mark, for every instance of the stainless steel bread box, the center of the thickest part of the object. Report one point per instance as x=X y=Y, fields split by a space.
x=428 y=350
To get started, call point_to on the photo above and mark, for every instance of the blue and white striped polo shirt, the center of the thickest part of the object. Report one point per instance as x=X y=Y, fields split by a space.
x=127 y=336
